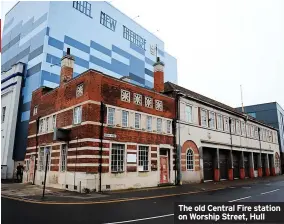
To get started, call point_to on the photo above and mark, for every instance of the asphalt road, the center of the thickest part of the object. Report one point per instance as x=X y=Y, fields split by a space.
x=156 y=210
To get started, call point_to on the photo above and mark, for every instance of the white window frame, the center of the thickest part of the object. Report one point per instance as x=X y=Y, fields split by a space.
x=169 y=127
x=111 y=114
x=47 y=124
x=135 y=96
x=54 y=121
x=188 y=113
x=77 y=117
x=212 y=123
x=206 y=118
x=78 y=88
x=63 y=158
x=42 y=159
x=219 y=122
x=144 y=163
x=149 y=123
x=226 y=124
x=243 y=128
x=157 y=103
x=161 y=126
x=238 y=127
x=137 y=123
x=127 y=118
x=35 y=110
x=150 y=100
x=233 y=126
x=189 y=162
x=116 y=165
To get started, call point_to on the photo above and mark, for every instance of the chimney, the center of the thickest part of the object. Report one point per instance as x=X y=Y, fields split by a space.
x=159 y=76
x=67 y=66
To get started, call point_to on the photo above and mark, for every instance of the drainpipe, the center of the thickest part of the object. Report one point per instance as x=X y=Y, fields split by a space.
x=178 y=147
x=35 y=162
x=231 y=167
x=260 y=165
x=101 y=144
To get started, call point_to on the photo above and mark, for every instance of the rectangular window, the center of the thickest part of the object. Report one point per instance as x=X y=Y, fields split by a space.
x=143 y=158
x=80 y=90
x=204 y=118
x=226 y=124
x=35 y=110
x=47 y=124
x=63 y=161
x=3 y=114
x=77 y=119
x=238 y=127
x=188 y=113
x=83 y=7
x=41 y=159
x=110 y=117
x=40 y=130
x=149 y=123
x=125 y=118
x=169 y=127
x=159 y=125
x=252 y=131
x=243 y=129
x=233 y=126
x=117 y=158
x=137 y=121
x=53 y=122
x=212 y=120
x=219 y=122
x=256 y=132
x=44 y=125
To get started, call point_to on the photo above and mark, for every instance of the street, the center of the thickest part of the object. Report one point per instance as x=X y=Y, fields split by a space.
x=158 y=209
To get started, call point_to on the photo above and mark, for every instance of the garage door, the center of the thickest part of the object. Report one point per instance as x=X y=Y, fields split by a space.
x=223 y=156
x=236 y=163
x=270 y=157
x=208 y=163
x=246 y=164
x=263 y=160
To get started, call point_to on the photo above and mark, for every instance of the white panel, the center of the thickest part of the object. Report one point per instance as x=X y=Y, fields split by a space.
x=35 y=61
x=100 y=55
x=120 y=58
x=103 y=70
x=149 y=78
x=150 y=67
x=33 y=33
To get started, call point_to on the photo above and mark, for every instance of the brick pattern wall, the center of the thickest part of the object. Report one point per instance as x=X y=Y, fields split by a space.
x=190 y=145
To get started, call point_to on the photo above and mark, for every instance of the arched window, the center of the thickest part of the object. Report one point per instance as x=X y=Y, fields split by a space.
x=189 y=160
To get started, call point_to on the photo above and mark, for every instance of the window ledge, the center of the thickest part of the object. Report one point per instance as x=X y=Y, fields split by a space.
x=117 y=172
x=144 y=171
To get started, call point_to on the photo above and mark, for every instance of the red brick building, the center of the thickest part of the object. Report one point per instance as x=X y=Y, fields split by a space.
x=124 y=129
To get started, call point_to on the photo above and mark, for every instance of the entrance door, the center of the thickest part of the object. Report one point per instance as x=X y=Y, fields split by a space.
x=223 y=157
x=263 y=160
x=270 y=158
x=164 y=169
x=246 y=164
x=208 y=159
x=236 y=163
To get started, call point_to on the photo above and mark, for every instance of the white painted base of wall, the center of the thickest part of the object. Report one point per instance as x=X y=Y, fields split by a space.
x=191 y=176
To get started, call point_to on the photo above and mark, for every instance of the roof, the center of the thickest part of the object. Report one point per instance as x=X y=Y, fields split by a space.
x=169 y=86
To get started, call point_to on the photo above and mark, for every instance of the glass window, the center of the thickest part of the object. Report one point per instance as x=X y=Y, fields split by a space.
x=188 y=113
x=159 y=125
x=63 y=161
x=117 y=158
x=110 y=118
x=149 y=123
x=143 y=157
x=41 y=159
x=212 y=120
x=35 y=110
x=54 y=121
x=189 y=160
x=219 y=122
x=204 y=119
x=238 y=127
x=43 y=152
x=77 y=115
x=243 y=128
x=125 y=118
x=137 y=121
x=233 y=126
x=256 y=132
x=226 y=123
x=80 y=90
x=169 y=127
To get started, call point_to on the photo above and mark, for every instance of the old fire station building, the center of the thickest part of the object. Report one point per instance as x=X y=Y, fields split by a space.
x=119 y=134
x=219 y=143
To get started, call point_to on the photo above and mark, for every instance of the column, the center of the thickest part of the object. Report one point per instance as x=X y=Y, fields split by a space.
x=217 y=166
x=231 y=166
x=242 y=166
x=267 y=170
x=259 y=164
x=273 y=165
x=251 y=167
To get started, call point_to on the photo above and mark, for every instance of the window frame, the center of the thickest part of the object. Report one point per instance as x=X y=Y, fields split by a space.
x=139 y=121
x=238 y=127
x=108 y=116
x=189 y=162
x=127 y=113
x=151 y=123
x=35 y=110
x=169 y=127
x=233 y=126
x=118 y=161
x=213 y=124
x=220 y=125
x=226 y=124
x=65 y=158
x=77 y=120
x=147 y=154
x=161 y=126
x=201 y=117
x=188 y=114
x=77 y=87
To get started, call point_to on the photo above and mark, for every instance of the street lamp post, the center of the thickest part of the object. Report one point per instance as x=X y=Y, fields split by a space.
x=45 y=173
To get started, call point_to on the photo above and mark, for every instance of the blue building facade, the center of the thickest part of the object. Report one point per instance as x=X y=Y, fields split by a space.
x=100 y=37
x=271 y=114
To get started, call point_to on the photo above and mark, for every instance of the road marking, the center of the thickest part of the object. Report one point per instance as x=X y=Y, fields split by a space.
x=110 y=200
x=270 y=191
x=240 y=199
x=138 y=220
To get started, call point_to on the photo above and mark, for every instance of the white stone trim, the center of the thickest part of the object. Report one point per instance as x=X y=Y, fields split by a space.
x=86 y=164
x=131 y=150
x=87 y=148
x=87 y=156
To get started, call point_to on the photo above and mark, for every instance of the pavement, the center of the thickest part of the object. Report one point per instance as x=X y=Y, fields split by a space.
x=137 y=206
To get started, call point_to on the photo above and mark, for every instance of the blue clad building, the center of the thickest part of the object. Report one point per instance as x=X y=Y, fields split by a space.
x=100 y=37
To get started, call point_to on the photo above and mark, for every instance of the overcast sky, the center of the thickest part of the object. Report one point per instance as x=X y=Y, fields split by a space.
x=219 y=44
